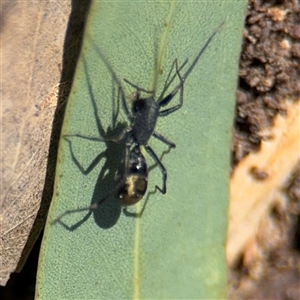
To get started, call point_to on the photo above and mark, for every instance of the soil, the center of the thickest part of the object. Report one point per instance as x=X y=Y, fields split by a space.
x=268 y=76
x=269 y=70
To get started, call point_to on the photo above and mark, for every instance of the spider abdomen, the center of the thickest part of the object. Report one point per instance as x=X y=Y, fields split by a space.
x=136 y=179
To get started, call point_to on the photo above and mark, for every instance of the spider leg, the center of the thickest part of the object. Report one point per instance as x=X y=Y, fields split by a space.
x=169 y=82
x=139 y=214
x=189 y=70
x=116 y=109
x=168 y=98
x=163 y=190
x=163 y=139
x=127 y=111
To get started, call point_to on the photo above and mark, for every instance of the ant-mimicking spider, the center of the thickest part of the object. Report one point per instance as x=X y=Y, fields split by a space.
x=133 y=173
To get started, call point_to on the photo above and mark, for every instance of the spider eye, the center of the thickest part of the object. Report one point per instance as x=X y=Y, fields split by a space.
x=138 y=105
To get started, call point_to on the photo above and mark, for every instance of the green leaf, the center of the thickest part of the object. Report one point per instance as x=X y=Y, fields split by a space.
x=176 y=249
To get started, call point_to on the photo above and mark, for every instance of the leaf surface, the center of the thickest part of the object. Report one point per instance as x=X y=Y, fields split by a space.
x=176 y=250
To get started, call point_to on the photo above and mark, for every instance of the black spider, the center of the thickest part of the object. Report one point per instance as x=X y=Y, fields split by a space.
x=133 y=173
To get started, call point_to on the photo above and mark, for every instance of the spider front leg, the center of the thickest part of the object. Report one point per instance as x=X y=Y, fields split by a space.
x=169 y=81
x=165 y=101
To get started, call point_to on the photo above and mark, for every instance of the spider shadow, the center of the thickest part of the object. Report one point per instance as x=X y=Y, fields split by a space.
x=107 y=214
